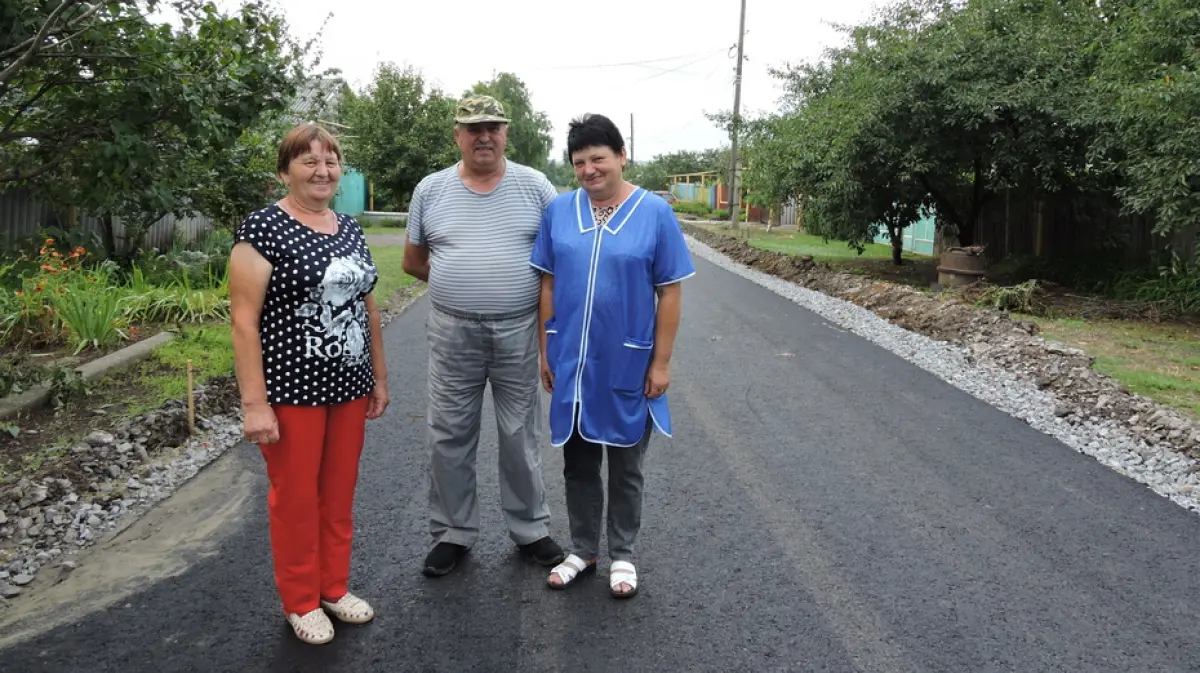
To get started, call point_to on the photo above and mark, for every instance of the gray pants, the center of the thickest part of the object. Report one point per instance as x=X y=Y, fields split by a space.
x=465 y=354
x=585 y=495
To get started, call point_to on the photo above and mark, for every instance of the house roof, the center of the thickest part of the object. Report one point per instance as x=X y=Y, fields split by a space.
x=317 y=101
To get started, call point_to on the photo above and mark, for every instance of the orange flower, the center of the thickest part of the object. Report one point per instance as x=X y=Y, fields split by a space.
x=20 y=293
x=49 y=241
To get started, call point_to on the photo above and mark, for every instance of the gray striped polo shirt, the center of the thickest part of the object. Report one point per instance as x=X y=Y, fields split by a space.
x=479 y=244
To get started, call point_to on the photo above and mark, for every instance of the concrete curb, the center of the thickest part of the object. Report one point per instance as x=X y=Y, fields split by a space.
x=90 y=371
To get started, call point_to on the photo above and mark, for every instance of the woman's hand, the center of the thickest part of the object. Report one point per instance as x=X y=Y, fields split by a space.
x=260 y=425
x=658 y=379
x=547 y=375
x=378 y=402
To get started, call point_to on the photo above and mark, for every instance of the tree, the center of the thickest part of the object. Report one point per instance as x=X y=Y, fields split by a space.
x=403 y=131
x=529 y=139
x=560 y=174
x=933 y=103
x=654 y=174
x=1146 y=102
x=122 y=117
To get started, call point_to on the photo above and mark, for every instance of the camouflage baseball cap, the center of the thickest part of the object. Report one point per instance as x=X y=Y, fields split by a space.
x=478 y=109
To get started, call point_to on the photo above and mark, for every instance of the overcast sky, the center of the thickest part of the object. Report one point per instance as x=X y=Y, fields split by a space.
x=563 y=51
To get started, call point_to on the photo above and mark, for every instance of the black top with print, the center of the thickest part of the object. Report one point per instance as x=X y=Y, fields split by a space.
x=316 y=339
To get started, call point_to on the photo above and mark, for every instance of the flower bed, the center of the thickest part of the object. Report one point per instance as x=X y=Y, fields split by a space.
x=66 y=305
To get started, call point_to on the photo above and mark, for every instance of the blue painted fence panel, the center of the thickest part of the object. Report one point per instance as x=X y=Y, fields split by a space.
x=351 y=197
x=918 y=237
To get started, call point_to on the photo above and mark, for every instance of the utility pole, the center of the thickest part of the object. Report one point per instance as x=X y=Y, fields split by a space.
x=630 y=138
x=737 y=105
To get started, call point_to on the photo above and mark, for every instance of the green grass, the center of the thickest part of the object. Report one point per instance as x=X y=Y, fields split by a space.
x=163 y=375
x=1160 y=361
x=389 y=231
x=391 y=276
x=792 y=242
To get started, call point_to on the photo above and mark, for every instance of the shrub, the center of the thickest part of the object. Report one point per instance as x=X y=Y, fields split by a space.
x=692 y=208
x=91 y=309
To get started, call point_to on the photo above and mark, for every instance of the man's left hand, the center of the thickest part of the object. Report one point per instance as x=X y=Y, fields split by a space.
x=658 y=379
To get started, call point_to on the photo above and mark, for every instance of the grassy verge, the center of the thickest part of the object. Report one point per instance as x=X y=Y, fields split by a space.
x=382 y=231
x=1160 y=361
x=792 y=242
x=391 y=275
x=163 y=375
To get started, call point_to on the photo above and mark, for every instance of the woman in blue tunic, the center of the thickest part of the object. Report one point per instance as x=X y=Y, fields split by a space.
x=612 y=256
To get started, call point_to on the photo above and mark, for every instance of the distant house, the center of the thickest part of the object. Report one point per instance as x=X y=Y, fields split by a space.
x=318 y=101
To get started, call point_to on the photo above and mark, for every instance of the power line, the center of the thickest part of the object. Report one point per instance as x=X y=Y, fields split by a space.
x=667 y=72
x=632 y=63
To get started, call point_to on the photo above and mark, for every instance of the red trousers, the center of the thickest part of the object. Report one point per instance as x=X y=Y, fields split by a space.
x=313 y=471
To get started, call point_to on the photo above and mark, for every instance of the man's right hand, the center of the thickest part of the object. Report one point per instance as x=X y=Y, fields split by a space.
x=261 y=426
x=547 y=376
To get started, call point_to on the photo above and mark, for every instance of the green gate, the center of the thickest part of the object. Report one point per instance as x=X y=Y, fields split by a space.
x=351 y=197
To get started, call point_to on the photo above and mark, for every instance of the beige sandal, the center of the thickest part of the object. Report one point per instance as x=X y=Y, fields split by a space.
x=313 y=627
x=350 y=609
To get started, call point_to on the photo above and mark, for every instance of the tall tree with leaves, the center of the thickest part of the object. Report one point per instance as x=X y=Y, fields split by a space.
x=108 y=111
x=402 y=131
x=529 y=139
x=1146 y=101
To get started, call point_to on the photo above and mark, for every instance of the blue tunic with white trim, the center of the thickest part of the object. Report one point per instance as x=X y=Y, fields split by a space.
x=600 y=342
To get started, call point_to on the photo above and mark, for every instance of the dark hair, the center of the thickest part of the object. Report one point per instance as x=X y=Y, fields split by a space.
x=593 y=130
x=299 y=140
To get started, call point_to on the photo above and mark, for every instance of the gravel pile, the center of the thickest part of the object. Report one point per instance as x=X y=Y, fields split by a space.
x=987 y=370
x=117 y=475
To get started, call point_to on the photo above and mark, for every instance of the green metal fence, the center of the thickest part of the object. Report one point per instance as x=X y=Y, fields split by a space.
x=351 y=197
x=918 y=237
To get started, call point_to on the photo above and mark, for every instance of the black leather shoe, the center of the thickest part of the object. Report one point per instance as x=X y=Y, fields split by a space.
x=443 y=558
x=544 y=551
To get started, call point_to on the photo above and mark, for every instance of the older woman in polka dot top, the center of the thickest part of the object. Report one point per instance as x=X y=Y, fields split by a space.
x=308 y=348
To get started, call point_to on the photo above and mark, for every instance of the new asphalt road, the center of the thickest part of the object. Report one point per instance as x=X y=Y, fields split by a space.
x=824 y=506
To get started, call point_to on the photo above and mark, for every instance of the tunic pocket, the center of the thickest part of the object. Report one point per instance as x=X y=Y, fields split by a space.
x=630 y=374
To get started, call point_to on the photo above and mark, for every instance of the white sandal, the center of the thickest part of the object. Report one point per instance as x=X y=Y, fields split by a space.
x=569 y=570
x=623 y=572
x=350 y=609
x=313 y=627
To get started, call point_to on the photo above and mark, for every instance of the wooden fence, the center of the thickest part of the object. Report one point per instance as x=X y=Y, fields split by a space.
x=23 y=216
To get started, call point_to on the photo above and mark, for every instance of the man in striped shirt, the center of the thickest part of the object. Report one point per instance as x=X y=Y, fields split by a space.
x=471 y=229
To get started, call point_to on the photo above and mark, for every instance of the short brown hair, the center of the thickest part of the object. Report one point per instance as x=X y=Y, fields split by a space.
x=299 y=140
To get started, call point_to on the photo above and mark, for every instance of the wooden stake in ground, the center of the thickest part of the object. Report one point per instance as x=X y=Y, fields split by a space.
x=191 y=399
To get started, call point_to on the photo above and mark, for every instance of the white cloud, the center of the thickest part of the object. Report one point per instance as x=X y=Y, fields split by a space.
x=458 y=43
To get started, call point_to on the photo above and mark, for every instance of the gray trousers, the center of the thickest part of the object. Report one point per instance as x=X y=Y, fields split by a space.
x=585 y=495
x=465 y=354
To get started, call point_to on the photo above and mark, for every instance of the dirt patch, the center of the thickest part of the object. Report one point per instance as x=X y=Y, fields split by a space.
x=1015 y=344
x=38 y=448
